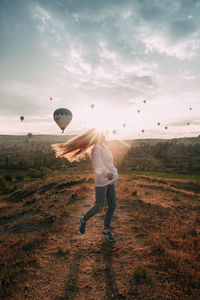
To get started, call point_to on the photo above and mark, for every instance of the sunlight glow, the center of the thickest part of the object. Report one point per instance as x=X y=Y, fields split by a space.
x=103 y=118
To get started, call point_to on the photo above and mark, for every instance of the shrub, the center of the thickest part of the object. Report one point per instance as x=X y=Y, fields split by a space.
x=158 y=247
x=74 y=197
x=62 y=250
x=8 y=177
x=19 y=177
x=3 y=184
x=140 y=274
x=39 y=174
x=134 y=193
x=176 y=199
x=84 y=187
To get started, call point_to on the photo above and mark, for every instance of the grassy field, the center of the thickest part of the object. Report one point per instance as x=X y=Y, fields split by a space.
x=42 y=256
x=164 y=175
x=195 y=177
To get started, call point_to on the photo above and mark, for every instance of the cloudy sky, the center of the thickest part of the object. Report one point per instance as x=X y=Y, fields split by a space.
x=110 y=53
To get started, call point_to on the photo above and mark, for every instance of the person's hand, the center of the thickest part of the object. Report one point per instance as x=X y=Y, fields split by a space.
x=109 y=176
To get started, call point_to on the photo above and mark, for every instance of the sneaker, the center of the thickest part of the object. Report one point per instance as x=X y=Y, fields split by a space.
x=108 y=235
x=82 y=226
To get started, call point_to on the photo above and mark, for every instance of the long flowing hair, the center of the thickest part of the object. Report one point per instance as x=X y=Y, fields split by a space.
x=76 y=148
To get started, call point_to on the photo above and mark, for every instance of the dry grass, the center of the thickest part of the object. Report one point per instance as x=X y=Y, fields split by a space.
x=165 y=221
x=157 y=258
x=140 y=274
x=28 y=216
x=179 y=255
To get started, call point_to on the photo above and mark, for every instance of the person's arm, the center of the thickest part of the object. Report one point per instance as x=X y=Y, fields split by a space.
x=98 y=164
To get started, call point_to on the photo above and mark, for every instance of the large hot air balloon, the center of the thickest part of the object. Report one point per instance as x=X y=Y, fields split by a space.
x=29 y=135
x=62 y=116
x=21 y=118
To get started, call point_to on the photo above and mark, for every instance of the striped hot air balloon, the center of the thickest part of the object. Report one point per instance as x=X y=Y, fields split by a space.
x=62 y=116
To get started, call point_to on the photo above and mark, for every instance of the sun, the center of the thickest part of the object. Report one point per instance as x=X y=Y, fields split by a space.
x=102 y=119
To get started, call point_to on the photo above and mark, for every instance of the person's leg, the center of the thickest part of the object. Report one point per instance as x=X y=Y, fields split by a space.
x=111 y=197
x=100 y=195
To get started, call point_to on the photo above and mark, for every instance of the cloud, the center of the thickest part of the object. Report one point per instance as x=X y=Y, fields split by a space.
x=166 y=28
x=18 y=98
x=111 y=52
x=111 y=70
x=156 y=11
x=186 y=75
x=181 y=123
x=181 y=29
x=156 y=41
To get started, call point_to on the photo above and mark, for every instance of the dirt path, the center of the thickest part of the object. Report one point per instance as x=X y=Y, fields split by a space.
x=74 y=266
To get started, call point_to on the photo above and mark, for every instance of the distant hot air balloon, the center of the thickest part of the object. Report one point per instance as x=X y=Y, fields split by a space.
x=124 y=125
x=138 y=111
x=142 y=130
x=158 y=123
x=144 y=101
x=188 y=123
x=21 y=118
x=62 y=116
x=166 y=127
x=92 y=106
x=29 y=135
x=50 y=98
x=114 y=131
x=190 y=108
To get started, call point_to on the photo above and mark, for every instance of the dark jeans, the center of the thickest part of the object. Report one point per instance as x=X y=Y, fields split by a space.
x=102 y=193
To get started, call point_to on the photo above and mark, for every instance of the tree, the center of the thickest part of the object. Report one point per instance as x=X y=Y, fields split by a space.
x=3 y=184
x=6 y=160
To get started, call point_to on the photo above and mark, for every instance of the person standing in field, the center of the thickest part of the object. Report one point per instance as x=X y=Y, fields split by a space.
x=106 y=175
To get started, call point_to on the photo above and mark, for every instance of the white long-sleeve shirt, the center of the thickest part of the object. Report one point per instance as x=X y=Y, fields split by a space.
x=102 y=161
